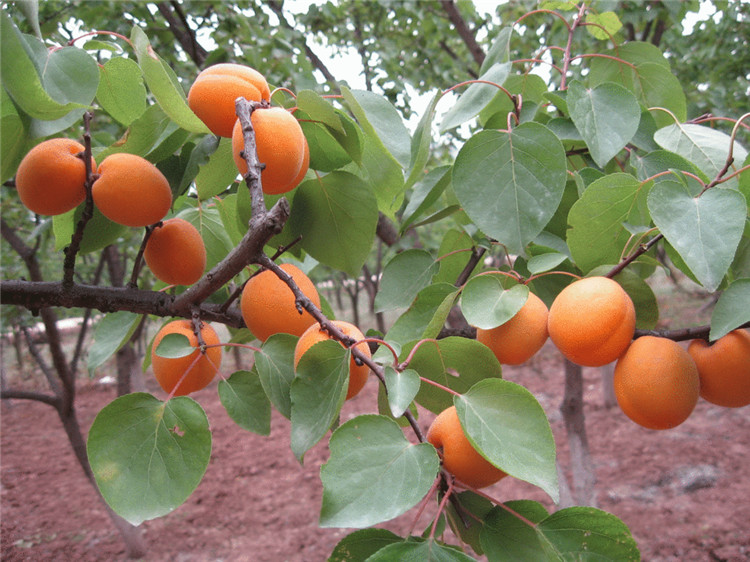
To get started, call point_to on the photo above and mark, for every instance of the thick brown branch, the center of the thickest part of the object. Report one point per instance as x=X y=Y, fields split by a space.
x=182 y=32
x=13 y=394
x=463 y=30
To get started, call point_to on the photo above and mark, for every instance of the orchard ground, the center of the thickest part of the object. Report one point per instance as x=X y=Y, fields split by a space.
x=682 y=492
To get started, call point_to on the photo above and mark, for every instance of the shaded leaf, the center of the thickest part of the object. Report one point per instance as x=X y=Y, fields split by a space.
x=403 y=277
x=487 y=304
x=245 y=401
x=732 y=309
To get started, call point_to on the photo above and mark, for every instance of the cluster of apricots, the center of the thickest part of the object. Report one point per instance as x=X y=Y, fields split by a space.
x=657 y=381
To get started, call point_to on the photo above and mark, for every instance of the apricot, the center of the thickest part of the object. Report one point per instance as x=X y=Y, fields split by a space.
x=51 y=178
x=175 y=252
x=592 y=321
x=268 y=304
x=212 y=95
x=131 y=191
x=281 y=148
x=460 y=458
x=656 y=383
x=192 y=372
x=357 y=373
x=724 y=369
x=520 y=337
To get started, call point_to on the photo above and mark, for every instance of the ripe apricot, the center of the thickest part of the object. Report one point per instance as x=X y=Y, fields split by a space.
x=200 y=370
x=268 y=304
x=520 y=337
x=131 y=190
x=50 y=178
x=724 y=369
x=175 y=252
x=592 y=321
x=460 y=458
x=281 y=148
x=357 y=373
x=212 y=95
x=656 y=383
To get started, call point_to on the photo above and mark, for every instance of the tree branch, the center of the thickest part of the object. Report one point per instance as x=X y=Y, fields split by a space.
x=463 y=30
x=15 y=394
x=182 y=32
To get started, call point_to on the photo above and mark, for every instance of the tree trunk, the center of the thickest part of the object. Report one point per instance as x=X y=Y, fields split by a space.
x=608 y=386
x=583 y=477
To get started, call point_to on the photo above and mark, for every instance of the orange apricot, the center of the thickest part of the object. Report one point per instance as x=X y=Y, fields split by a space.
x=192 y=372
x=175 y=252
x=520 y=337
x=357 y=373
x=268 y=305
x=724 y=369
x=281 y=148
x=131 y=191
x=460 y=458
x=212 y=95
x=51 y=178
x=592 y=321
x=656 y=383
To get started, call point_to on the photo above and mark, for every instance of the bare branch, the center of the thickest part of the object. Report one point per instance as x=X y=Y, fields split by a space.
x=463 y=30
x=14 y=394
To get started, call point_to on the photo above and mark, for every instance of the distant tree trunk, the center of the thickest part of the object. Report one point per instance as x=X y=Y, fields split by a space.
x=608 y=386
x=581 y=466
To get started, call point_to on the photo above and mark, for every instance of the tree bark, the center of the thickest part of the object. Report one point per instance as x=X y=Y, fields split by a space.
x=463 y=30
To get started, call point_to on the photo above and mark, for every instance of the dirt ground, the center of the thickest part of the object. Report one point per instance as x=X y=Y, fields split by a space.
x=684 y=493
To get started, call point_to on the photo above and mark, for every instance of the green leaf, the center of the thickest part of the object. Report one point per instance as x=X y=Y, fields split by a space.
x=199 y=157
x=586 y=533
x=111 y=333
x=508 y=427
x=334 y=212
x=361 y=544
x=385 y=122
x=164 y=84
x=218 y=173
x=148 y=456
x=245 y=401
x=402 y=388
x=326 y=154
x=70 y=75
x=705 y=147
x=425 y=193
x=487 y=304
x=374 y=473
x=592 y=111
x=21 y=80
x=318 y=392
x=352 y=141
x=14 y=138
x=275 y=364
x=420 y=143
x=419 y=551
x=705 y=230
x=607 y=20
x=426 y=316
x=545 y=262
x=100 y=232
x=454 y=251
x=598 y=219
x=510 y=184
x=732 y=309
x=318 y=109
x=454 y=362
x=208 y=222
x=173 y=346
x=499 y=51
x=468 y=522
x=121 y=91
x=507 y=537
x=658 y=161
x=475 y=97
x=403 y=277
x=141 y=135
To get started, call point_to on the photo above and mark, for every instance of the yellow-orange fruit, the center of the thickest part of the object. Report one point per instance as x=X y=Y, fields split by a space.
x=460 y=458
x=724 y=369
x=592 y=321
x=268 y=304
x=131 y=190
x=175 y=252
x=197 y=369
x=520 y=337
x=656 y=383
x=281 y=148
x=357 y=373
x=212 y=95
x=50 y=179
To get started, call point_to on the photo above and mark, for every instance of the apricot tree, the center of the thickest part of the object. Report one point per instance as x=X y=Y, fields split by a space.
x=583 y=176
